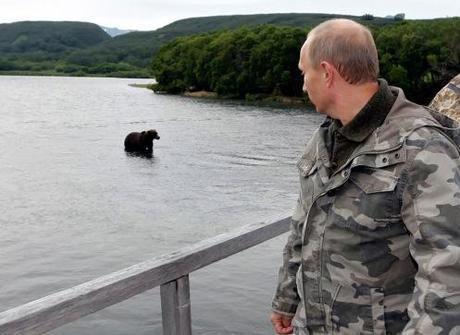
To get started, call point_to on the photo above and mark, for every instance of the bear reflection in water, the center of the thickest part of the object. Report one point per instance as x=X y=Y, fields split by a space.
x=141 y=143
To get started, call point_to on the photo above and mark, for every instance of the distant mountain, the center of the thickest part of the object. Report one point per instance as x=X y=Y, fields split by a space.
x=137 y=48
x=47 y=37
x=115 y=31
x=300 y=20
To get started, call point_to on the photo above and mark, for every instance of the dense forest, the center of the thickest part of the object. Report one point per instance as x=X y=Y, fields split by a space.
x=127 y=55
x=419 y=56
x=259 y=60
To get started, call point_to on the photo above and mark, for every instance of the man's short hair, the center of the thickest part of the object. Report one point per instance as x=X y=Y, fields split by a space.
x=347 y=45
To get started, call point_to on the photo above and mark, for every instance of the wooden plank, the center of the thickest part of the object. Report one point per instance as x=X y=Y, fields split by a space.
x=48 y=313
x=175 y=307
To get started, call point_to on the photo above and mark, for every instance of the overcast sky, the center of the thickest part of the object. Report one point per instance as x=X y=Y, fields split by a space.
x=153 y=14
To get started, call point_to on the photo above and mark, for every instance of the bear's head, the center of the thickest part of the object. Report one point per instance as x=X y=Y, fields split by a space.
x=152 y=134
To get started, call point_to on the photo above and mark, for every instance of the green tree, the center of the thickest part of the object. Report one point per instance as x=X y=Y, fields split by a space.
x=255 y=60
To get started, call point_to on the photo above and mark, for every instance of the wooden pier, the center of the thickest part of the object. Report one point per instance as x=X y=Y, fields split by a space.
x=170 y=272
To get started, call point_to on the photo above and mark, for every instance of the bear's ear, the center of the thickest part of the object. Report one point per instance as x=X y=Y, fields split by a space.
x=143 y=132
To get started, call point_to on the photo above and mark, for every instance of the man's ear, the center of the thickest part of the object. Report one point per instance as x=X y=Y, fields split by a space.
x=328 y=71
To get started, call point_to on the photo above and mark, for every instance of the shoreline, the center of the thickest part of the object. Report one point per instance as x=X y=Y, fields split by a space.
x=281 y=100
x=65 y=74
x=268 y=99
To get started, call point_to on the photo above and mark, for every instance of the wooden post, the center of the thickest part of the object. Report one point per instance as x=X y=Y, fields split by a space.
x=175 y=307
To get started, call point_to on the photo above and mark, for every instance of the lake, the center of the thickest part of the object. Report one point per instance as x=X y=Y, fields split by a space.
x=75 y=206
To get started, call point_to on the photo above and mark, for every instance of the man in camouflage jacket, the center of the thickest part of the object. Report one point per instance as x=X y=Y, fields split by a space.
x=375 y=238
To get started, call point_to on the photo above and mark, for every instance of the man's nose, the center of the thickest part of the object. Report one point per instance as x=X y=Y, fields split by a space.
x=304 y=88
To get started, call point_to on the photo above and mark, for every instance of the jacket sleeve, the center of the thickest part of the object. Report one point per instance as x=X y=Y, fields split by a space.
x=286 y=297
x=431 y=212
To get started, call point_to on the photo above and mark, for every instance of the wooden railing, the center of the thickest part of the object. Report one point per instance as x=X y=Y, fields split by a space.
x=170 y=272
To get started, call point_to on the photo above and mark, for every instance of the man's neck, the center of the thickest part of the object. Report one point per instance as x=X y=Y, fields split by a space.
x=351 y=99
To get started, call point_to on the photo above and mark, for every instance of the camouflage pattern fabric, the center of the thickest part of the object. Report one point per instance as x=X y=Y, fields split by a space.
x=447 y=101
x=375 y=247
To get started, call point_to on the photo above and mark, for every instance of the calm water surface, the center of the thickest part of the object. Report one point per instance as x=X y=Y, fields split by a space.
x=75 y=206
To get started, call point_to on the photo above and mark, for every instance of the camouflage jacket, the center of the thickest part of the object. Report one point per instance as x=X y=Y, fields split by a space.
x=375 y=247
x=447 y=101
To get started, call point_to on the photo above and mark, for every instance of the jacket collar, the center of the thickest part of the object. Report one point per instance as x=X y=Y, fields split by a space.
x=403 y=118
x=371 y=115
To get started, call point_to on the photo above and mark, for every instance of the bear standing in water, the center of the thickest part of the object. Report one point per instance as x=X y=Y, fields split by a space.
x=141 y=142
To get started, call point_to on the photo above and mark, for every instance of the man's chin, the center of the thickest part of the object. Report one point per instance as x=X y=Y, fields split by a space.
x=320 y=110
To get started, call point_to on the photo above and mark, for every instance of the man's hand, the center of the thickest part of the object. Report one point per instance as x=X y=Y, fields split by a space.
x=281 y=323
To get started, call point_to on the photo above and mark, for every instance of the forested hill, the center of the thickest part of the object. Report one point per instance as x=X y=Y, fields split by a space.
x=298 y=20
x=137 y=48
x=75 y=48
x=46 y=37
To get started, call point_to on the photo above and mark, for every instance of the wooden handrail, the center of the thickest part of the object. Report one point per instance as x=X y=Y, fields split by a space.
x=170 y=271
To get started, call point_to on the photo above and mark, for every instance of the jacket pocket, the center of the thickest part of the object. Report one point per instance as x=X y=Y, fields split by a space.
x=306 y=166
x=307 y=172
x=357 y=309
x=374 y=180
x=374 y=198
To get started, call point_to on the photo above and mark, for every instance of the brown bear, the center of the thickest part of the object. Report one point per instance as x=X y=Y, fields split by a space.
x=141 y=142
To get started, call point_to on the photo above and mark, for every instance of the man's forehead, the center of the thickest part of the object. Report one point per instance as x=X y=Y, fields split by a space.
x=303 y=53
